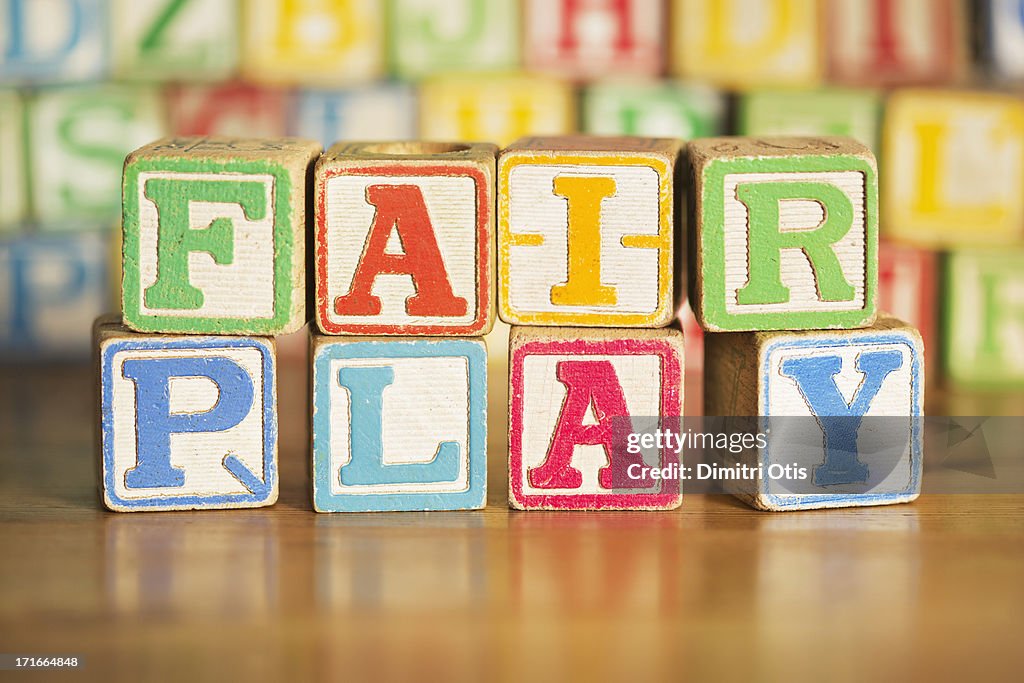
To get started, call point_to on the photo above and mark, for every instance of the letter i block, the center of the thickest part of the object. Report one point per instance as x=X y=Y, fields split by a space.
x=844 y=406
x=405 y=239
x=783 y=234
x=587 y=229
x=399 y=424
x=574 y=396
x=187 y=422
x=215 y=235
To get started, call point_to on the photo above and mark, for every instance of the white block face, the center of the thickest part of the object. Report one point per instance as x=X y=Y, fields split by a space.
x=1007 y=30
x=425 y=405
x=243 y=288
x=857 y=26
x=796 y=271
x=202 y=34
x=596 y=29
x=447 y=23
x=12 y=161
x=53 y=47
x=451 y=203
x=534 y=209
x=972 y=305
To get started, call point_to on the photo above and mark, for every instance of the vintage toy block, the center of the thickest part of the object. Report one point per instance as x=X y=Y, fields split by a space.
x=215 y=235
x=671 y=110
x=313 y=42
x=13 y=163
x=381 y=112
x=53 y=41
x=983 y=318
x=495 y=108
x=895 y=42
x=831 y=111
x=439 y=36
x=228 y=109
x=744 y=43
x=404 y=238
x=399 y=424
x=1003 y=25
x=51 y=288
x=588 y=232
x=78 y=138
x=588 y=38
x=191 y=40
x=574 y=396
x=840 y=413
x=783 y=233
x=187 y=422
x=954 y=168
x=908 y=289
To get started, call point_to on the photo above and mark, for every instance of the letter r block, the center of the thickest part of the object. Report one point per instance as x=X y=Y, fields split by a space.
x=783 y=234
x=215 y=235
x=399 y=424
x=575 y=394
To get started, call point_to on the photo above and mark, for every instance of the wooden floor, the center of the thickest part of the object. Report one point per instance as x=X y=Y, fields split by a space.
x=711 y=591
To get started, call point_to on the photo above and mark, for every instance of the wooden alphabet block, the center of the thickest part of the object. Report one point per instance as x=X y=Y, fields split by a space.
x=895 y=42
x=399 y=424
x=190 y=40
x=954 y=168
x=908 y=289
x=187 y=422
x=1004 y=28
x=380 y=112
x=583 y=39
x=53 y=41
x=228 y=109
x=574 y=395
x=587 y=232
x=215 y=235
x=843 y=406
x=438 y=36
x=783 y=233
x=495 y=108
x=404 y=238
x=671 y=110
x=983 y=318
x=13 y=163
x=824 y=112
x=313 y=42
x=78 y=138
x=744 y=43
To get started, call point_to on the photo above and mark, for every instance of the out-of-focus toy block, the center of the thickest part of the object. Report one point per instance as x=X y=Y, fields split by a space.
x=588 y=232
x=855 y=113
x=954 y=168
x=744 y=43
x=385 y=112
x=404 y=240
x=51 y=288
x=1003 y=25
x=441 y=36
x=495 y=108
x=783 y=233
x=399 y=424
x=588 y=38
x=843 y=406
x=53 y=41
x=228 y=109
x=215 y=235
x=895 y=42
x=190 y=40
x=672 y=110
x=78 y=138
x=574 y=396
x=187 y=422
x=313 y=42
x=13 y=163
x=908 y=290
x=983 y=318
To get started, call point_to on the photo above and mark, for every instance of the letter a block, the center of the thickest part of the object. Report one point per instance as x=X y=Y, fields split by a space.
x=215 y=235
x=845 y=406
x=587 y=230
x=783 y=234
x=399 y=424
x=187 y=422
x=574 y=395
x=405 y=239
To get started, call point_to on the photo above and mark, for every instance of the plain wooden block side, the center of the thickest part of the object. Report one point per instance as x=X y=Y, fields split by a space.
x=228 y=109
x=398 y=423
x=404 y=239
x=185 y=422
x=571 y=390
x=242 y=204
x=41 y=48
x=13 y=166
x=588 y=231
x=377 y=112
x=655 y=109
x=1003 y=31
x=829 y=111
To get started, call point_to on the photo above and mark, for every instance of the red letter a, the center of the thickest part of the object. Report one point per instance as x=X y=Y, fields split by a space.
x=401 y=207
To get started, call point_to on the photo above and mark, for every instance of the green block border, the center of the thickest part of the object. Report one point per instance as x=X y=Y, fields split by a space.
x=712 y=245
x=284 y=249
